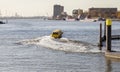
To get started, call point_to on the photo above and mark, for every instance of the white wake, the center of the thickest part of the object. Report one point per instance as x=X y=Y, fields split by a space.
x=63 y=44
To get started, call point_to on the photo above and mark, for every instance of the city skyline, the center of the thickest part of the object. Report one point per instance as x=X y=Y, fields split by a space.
x=45 y=7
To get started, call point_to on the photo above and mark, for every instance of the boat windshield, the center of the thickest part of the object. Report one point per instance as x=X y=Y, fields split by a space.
x=55 y=32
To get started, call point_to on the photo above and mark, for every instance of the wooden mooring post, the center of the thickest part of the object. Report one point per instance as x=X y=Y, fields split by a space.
x=104 y=37
x=108 y=34
x=100 y=37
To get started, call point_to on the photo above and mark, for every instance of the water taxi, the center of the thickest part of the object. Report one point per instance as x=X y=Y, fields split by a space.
x=57 y=33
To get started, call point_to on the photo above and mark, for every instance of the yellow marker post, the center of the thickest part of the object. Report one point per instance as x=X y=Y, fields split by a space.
x=108 y=22
x=108 y=34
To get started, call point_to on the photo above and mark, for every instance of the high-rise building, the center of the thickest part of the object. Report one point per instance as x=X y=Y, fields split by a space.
x=58 y=9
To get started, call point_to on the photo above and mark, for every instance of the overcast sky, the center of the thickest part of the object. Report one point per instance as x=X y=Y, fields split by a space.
x=45 y=7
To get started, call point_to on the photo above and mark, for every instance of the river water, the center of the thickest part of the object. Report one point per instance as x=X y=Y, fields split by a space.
x=26 y=46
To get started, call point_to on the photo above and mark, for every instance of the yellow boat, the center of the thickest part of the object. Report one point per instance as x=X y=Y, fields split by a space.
x=57 y=33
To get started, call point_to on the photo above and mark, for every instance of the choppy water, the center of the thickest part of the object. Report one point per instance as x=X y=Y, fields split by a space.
x=25 y=46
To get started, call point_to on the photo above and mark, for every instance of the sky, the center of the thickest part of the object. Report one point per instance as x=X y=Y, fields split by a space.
x=45 y=7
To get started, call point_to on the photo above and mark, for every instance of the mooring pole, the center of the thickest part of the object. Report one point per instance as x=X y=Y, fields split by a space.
x=108 y=34
x=104 y=37
x=100 y=38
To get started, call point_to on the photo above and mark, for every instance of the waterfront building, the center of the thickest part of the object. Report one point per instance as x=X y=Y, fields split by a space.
x=118 y=14
x=58 y=9
x=63 y=15
x=103 y=12
x=77 y=12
